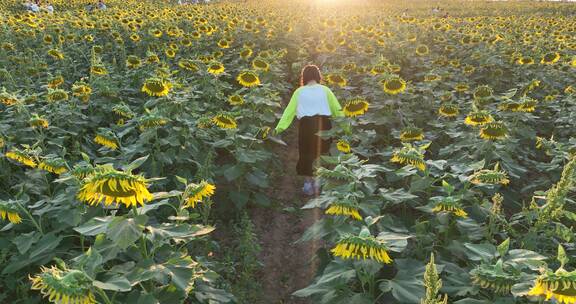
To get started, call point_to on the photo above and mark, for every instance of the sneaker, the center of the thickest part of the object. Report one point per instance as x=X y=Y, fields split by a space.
x=308 y=188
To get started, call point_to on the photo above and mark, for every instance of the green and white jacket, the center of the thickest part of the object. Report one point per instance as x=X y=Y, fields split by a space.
x=310 y=100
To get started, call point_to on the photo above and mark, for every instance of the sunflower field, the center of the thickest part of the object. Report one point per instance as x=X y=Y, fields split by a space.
x=128 y=135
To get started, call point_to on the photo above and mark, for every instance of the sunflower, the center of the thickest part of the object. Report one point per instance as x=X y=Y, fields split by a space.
x=55 y=82
x=394 y=85
x=111 y=186
x=83 y=170
x=432 y=78
x=344 y=209
x=56 y=54
x=152 y=58
x=225 y=121
x=478 y=118
x=64 y=286
x=248 y=79
x=151 y=120
x=204 y=122
x=223 y=44
x=559 y=286
x=215 y=68
x=170 y=53
x=196 y=193
x=494 y=277
x=527 y=105
x=411 y=134
x=494 y=130
x=235 y=100
x=468 y=69
x=55 y=95
x=509 y=106
x=355 y=107
x=98 y=69
x=525 y=60
x=37 y=121
x=260 y=64
x=56 y=166
x=422 y=50
x=378 y=69
x=8 y=211
x=264 y=131
x=362 y=248
x=155 y=32
x=490 y=176
x=123 y=110
x=81 y=89
x=461 y=87
x=107 y=140
x=448 y=110
x=156 y=87
x=7 y=98
x=409 y=155
x=186 y=42
x=21 y=157
x=550 y=98
x=135 y=38
x=133 y=62
x=550 y=58
x=245 y=53
x=337 y=79
x=483 y=92
x=450 y=205
x=188 y=65
x=343 y=146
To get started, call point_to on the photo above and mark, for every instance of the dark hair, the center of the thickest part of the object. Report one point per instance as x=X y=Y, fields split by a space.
x=310 y=72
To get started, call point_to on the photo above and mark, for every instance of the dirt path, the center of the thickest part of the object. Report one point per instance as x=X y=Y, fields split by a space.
x=287 y=266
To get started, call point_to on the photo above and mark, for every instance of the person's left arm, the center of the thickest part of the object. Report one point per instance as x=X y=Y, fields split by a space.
x=289 y=114
x=335 y=107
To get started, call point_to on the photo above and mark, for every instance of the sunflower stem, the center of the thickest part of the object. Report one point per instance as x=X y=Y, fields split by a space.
x=104 y=296
x=31 y=217
x=143 y=249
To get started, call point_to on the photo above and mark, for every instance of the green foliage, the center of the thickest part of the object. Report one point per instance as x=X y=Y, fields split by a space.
x=243 y=265
x=433 y=283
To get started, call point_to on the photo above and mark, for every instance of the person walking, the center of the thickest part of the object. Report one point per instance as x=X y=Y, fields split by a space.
x=101 y=5
x=314 y=105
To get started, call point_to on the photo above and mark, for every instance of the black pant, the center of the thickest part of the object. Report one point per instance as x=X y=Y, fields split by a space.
x=310 y=145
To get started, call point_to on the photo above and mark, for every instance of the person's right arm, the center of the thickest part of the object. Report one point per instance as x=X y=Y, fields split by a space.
x=289 y=114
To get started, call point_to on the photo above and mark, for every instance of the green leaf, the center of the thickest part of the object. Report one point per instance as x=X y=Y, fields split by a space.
x=447 y=187
x=503 y=247
x=397 y=196
x=562 y=257
x=233 y=172
x=480 y=252
x=177 y=232
x=240 y=198
x=182 y=180
x=136 y=163
x=116 y=283
x=522 y=256
x=24 y=241
x=48 y=243
x=125 y=231
x=94 y=226
x=394 y=241
x=90 y=261
x=473 y=301
x=407 y=286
